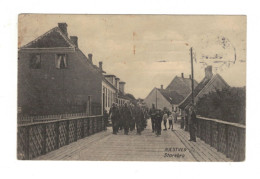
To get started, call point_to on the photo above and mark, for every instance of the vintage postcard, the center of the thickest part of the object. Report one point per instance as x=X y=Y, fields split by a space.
x=131 y=87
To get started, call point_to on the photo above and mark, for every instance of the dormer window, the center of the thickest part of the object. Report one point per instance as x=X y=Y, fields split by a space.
x=61 y=61
x=35 y=61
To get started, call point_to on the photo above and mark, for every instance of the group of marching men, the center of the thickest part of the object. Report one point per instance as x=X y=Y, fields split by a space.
x=131 y=116
x=127 y=117
x=189 y=115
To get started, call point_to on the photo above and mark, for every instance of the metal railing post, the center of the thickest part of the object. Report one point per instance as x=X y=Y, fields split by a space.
x=44 y=139
x=218 y=136
x=226 y=135
x=76 y=130
x=82 y=127
x=27 y=142
x=67 y=132
x=56 y=124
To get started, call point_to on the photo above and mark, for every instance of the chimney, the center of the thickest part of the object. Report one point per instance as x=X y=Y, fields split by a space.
x=90 y=57
x=63 y=28
x=182 y=75
x=208 y=72
x=122 y=87
x=74 y=39
x=161 y=86
x=117 y=83
x=100 y=65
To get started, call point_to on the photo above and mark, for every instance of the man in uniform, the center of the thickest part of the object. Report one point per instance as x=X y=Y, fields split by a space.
x=132 y=121
x=146 y=116
x=120 y=118
x=114 y=115
x=192 y=124
x=127 y=116
x=158 y=122
x=152 y=113
x=139 y=119
x=186 y=118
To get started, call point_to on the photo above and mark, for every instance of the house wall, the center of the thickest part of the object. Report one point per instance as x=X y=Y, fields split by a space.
x=55 y=91
x=109 y=96
x=161 y=101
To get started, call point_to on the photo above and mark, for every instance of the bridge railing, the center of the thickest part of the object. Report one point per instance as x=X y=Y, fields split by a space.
x=39 y=138
x=44 y=118
x=226 y=137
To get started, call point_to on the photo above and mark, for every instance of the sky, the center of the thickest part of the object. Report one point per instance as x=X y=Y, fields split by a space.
x=148 y=51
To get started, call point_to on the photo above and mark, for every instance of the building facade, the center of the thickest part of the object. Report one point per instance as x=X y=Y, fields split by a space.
x=55 y=77
x=170 y=97
x=162 y=98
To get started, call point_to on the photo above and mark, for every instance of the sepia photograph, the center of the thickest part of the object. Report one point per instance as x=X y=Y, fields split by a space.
x=131 y=87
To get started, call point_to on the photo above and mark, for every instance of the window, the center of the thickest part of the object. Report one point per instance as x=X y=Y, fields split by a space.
x=35 y=61
x=61 y=61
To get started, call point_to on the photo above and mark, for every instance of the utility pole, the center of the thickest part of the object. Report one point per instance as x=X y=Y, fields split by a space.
x=156 y=98
x=192 y=77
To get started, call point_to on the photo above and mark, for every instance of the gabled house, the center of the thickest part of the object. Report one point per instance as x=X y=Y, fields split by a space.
x=162 y=98
x=210 y=83
x=55 y=77
x=170 y=97
x=181 y=85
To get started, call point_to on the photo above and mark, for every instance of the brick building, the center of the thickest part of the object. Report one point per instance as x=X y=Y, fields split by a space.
x=55 y=77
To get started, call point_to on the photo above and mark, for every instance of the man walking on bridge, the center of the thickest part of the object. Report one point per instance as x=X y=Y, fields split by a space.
x=127 y=117
x=139 y=119
x=192 y=123
x=165 y=117
x=152 y=113
x=158 y=122
x=114 y=115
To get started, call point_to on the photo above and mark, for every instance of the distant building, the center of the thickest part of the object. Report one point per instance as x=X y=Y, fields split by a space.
x=170 y=97
x=181 y=85
x=210 y=83
x=55 y=77
x=120 y=98
x=162 y=98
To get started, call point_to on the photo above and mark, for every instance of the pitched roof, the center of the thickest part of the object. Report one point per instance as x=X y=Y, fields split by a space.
x=54 y=38
x=110 y=75
x=205 y=81
x=181 y=85
x=172 y=96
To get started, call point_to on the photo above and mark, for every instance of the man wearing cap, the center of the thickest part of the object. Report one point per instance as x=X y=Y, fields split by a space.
x=114 y=115
x=158 y=122
x=152 y=113
x=192 y=120
x=139 y=119
x=127 y=116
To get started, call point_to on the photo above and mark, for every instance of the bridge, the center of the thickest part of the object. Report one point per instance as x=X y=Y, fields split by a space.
x=85 y=138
